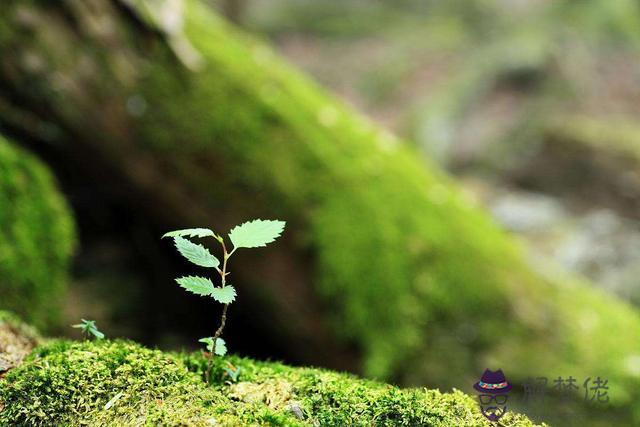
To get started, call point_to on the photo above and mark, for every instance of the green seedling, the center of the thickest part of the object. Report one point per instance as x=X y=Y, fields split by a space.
x=252 y=234
x=89 y=329
x=232 y=371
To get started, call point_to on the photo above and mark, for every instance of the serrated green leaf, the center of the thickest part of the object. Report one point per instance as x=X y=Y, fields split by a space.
x=256 y=233
x=224 y=295
x=197 y=254
x=96 y=333
x=208 y=342
x=197 y=285
x=221 y=345
x=190 y=232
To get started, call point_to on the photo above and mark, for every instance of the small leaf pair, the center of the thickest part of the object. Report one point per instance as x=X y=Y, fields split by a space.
x=204 y=287
x=233 y=372
x=89 y=328
x=221 y=345
x=252 y=234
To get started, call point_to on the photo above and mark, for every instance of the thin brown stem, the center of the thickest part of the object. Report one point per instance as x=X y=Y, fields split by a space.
x=223 y=319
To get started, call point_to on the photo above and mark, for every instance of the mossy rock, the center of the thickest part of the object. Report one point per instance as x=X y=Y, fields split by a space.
x=121 y=383
x=36 y=238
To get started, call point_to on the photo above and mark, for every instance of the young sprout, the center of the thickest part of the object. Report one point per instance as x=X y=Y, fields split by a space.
x=89 y=329
x=251 y=234
x=232 y=371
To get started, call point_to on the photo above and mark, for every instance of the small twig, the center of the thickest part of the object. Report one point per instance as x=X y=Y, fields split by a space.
x=223 y=319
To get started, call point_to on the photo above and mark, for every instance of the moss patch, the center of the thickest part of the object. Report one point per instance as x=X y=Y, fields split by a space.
x=36 y=238
x=122 y=383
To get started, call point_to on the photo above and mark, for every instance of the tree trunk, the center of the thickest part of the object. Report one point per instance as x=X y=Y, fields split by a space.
x=204 y=126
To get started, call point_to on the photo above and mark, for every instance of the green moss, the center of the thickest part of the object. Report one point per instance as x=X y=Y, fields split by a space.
x=36 y=238
x=11 y=320
x=121 y=383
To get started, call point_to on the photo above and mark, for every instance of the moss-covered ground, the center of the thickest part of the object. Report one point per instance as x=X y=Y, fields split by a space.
x=122 y=383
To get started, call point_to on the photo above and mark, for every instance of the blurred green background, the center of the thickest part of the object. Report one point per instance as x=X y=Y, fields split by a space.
x=533 y=104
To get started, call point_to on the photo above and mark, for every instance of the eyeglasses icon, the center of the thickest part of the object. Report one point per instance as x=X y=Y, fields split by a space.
x=500 y=399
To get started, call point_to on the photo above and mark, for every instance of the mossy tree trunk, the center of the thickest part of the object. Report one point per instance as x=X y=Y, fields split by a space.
x=205 y=127
x=37 y=238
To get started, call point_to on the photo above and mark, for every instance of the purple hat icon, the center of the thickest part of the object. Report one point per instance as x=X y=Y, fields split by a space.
x=493 y=383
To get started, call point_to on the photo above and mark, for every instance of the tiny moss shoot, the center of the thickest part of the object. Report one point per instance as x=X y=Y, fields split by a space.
x=252 y=234
x=89 y=329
